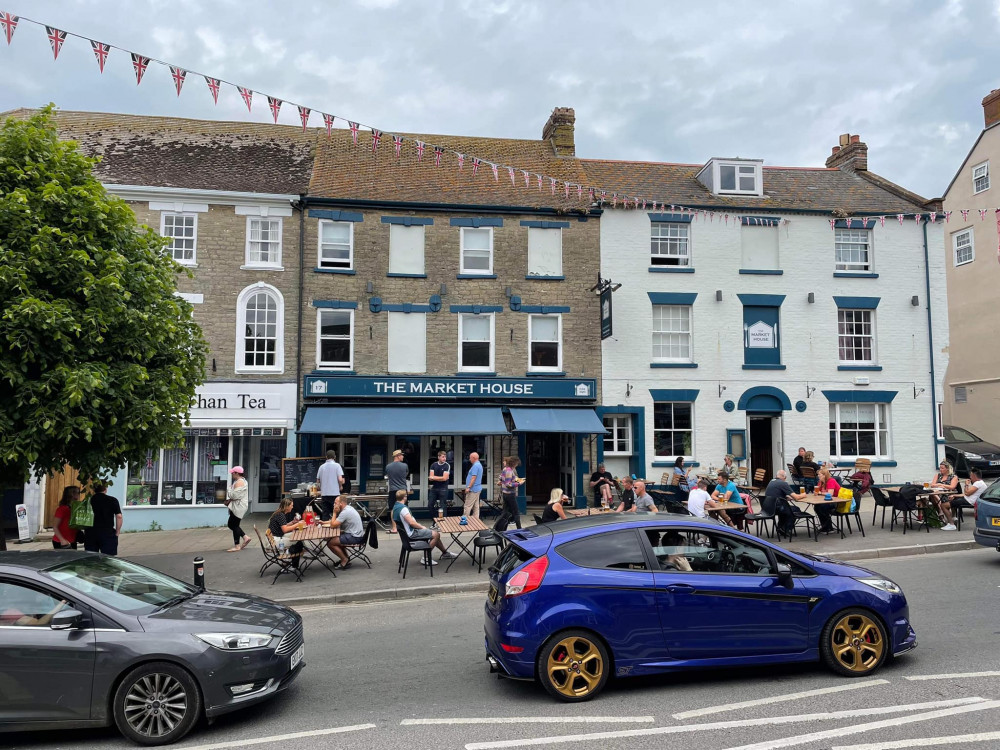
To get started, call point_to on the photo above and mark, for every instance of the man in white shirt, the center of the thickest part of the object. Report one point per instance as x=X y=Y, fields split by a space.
x=699 y=499
x=330 y=479
x=974 y=488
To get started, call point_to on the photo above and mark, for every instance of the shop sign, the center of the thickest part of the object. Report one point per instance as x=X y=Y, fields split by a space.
x=23 y=531
x=244 y=401
x=606 y=314
x=471 y=389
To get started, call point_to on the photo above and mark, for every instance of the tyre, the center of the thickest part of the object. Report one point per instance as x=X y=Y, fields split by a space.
x=573 y=666
x=854 y=643
x=156 y=704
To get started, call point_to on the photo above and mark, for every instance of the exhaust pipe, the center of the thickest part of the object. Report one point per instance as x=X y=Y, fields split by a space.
x=494 y=664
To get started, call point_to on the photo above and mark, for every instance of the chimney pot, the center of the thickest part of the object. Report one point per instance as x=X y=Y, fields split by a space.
x=836 y=150
x=845 y=138
x=855 y=139
x=559 y=131
x=991 y=108
x=851 y=155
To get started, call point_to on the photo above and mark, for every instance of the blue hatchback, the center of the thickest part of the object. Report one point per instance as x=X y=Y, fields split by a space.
x=574 y=602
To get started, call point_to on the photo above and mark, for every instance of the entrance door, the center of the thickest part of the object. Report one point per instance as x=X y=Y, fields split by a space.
x=762 y=447
x=347 y=456
x=268 y=473
x=542 y=470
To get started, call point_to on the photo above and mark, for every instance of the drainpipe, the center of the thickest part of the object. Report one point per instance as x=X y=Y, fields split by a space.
x=298 y=331
x=930 y=343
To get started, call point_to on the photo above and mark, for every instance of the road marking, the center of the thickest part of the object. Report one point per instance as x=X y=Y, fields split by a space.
x=776 y=698
x=923 y=742
x=806 y=739
x=278 y=737
x=953 y=676
x=534 y=720
x=735 y=724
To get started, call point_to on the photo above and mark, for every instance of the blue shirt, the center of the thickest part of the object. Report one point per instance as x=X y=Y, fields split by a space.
x=476 y=477
x=683 y=478
x=730 y=487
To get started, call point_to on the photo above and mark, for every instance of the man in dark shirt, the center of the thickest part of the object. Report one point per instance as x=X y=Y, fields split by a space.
x=439 y=477
x=776 y=498
x=628 y=495
x=103 y=535
x=598 y=480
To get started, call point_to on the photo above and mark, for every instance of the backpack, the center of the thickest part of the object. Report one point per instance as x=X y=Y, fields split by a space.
x=908 y=494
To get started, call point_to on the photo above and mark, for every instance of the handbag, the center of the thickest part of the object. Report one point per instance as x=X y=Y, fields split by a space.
x=82 y=516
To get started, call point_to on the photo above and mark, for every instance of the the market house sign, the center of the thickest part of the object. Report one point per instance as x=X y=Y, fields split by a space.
x=573 y=389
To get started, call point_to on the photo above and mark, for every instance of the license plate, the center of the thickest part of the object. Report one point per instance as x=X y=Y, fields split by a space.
x=995 y=521
x=994 y=463
x=297 y=656
x=493 y=589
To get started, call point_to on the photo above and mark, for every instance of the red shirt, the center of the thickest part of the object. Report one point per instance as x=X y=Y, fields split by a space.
x=831 y=486
x=62 y=523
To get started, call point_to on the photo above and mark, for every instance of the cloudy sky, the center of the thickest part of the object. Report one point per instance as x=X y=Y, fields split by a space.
x=662 y=81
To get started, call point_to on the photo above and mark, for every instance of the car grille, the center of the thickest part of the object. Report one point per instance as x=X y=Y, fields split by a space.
x=291 y=640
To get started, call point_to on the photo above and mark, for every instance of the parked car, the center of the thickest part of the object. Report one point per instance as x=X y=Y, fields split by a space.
x=965 y=450
x=987 y=531
x=89 y=640
x=575 y=602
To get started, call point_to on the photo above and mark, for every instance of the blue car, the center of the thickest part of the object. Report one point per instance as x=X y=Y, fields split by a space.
x=574 y=602
x=987 y=531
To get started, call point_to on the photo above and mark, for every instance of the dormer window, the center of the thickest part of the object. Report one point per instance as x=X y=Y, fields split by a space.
x=733 y=177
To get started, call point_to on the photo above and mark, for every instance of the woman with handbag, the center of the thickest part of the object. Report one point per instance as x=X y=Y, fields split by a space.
x=509 y=481
x=237 y=500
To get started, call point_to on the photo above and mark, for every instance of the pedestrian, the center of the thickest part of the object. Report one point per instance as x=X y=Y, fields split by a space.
x=473 y=486
x=509 y=482
x=103 y=535
x=64 y=537
x=330 y=479
x=396 y=472
x=237 y=501
x=415 y=531
x=439 y=478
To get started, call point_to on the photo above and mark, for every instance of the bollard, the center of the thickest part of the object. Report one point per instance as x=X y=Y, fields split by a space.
x=199 y=572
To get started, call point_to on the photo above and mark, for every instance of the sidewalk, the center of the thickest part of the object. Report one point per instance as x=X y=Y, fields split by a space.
x=172 y=552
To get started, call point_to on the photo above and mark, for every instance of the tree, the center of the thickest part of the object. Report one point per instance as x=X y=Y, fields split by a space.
x=99 y=358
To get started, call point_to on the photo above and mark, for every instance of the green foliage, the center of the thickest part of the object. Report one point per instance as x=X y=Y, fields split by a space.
x=99 y=358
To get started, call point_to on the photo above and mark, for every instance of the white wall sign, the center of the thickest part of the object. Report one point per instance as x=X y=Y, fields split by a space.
x=244 y=401
x=760 y=336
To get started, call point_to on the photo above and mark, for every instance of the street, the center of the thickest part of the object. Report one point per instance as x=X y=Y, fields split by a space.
x=422 y=680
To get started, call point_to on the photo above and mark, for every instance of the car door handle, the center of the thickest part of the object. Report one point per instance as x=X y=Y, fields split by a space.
x=680 y=588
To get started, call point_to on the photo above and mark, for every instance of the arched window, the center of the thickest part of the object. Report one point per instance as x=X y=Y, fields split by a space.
x=260 y=330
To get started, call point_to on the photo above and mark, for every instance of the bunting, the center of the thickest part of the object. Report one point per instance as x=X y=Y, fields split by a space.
x=178 y=74
x=9 y=23
x=510 y=172
x=328 y=122
x=303 y=116
x=376 y=137
x=438 y=151
x=527 y=178
x=139 y=63
x=496 y=175
x=247 y=95
x=461 y=161
x=274 y=104
x=420 y=150
x=552 y=185
x=397 y=144
x=475 y=166
x=101 y=52
x=56 y=40
x=213 y=86
x=354 y=131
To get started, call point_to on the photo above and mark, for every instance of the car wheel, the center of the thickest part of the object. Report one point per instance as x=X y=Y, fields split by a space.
x=157 y=704
x=854 y=643
x=573 y=666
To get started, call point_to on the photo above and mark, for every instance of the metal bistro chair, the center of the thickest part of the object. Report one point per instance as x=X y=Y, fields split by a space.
x=409 y=545
x=359 y=551
x=848 y=515
x=881 y=501
x=491 y=538
x=285 y=560
x=760 y=519
x=904 y=509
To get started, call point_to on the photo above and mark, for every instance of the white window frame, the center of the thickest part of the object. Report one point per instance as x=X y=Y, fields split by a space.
x=411 y=344
x=981 y=172
x=672 y=457
x=474 y=271
x=241 y=322
x=689 y=333
x=872 y=336
x=493 y=342
x=194 y=250
x=940 y=420
x=739 y=167
x=275 y=264
x=531 y=341
x=320 y=365
x=882 y=451
x=971 y=246
x=531 y=271
x=319 y=246
x=620 y=428
x=849 y=238
x=661 y=243
x=395 y=228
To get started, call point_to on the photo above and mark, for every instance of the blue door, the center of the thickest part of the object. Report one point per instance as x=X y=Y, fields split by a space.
x=761 y=335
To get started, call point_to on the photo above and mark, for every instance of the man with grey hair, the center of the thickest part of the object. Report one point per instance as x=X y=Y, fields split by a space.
x=473 y=486
x=643 y=502
x=776 y=498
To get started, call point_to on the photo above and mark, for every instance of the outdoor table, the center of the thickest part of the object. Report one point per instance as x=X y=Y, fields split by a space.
x=816 y=500
x=362 y=503
x=314 y=539
x=451 y=525
x=578 y=512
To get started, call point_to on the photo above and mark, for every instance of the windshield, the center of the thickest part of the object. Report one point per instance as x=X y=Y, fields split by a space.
x=958 y=435
x=120 y=584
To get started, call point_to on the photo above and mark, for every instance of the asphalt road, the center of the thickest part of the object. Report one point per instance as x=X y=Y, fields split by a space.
x=415 y=668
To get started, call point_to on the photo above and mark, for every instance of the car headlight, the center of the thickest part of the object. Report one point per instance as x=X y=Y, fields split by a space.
x=884 y=584
x=973 y=456
x=235 y=641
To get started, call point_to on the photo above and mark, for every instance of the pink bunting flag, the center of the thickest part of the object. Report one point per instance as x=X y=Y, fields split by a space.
x=397 y=144
x=247 y=95
x=328 y=123
x=178 y=74
x=274 y=104
x=982 y=214
x=139 y=63
x=461 y=161
x=354 y=131
x=538 y=178
x=9 y=23
x=947 y=216
x=900 y=217
x=614 y=200
x=56 y=40
x=304 y=113
x=475 y=166
x=933 y=216
x=438 y=153
x=965 y=214
x=420 y=150
x=552 y=185
x=579 y=191
x=566 y=187
x=881 y=220
x=496 y=175
x=101 y=52
x=527 y=178
x=376 y=137
x=510 y=173
x=213 y=86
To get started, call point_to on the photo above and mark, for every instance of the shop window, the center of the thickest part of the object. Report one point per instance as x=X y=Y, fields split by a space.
x=407 y=342
x=336 y=244
x=335 y=339
x=475 y=343
x=406 y=249
x=859 y=430
x=144 y=481
x=544 y=251
x=672 y=429
x=178 y=474
x=618 y=435
x=545 y=343
x=260 y=329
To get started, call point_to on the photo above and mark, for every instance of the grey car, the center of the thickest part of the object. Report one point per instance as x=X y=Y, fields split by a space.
x=89 y=641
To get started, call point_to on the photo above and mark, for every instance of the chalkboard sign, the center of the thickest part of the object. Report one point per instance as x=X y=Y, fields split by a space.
x=295 y=471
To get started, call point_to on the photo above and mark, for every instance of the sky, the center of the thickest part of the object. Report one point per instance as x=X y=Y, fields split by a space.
x=778 y=80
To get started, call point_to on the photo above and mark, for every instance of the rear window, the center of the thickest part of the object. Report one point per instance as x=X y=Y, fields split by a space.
x=991 y=493
x=510 y=558
x=617 y=550
x=958 y=435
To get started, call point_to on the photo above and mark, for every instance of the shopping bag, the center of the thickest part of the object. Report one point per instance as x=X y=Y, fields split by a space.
x=82 y=516
x=847 y=495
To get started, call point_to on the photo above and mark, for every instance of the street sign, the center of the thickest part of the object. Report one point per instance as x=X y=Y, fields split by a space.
x=606 y=314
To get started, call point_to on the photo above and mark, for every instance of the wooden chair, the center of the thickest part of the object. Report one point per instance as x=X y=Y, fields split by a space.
x=286 y=560
x=808 y=475
x=757 y=487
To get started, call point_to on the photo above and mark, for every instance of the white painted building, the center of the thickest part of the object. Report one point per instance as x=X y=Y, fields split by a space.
x=757 y=327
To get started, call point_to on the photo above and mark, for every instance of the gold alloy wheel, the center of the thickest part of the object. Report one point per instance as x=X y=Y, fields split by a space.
x=575 y=666
x=857 y=643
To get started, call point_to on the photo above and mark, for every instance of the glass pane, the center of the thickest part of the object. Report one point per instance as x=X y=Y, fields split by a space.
x=335 y=323
x=477 y=260
x=663 y=416
x=544 y=355
x=682 y=416
x=618 y=550
x=178 y=473
x=544 y=328
x=475 y=328
x=475 y=354
x=335 y=351
x=727 y=178
x=338 y=232
x=269 y=482
x=476 y=239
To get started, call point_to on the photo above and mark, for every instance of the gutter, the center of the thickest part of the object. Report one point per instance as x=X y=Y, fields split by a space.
x=930 y=345
x=453 y=207
x=300 y=205
x=222 y=197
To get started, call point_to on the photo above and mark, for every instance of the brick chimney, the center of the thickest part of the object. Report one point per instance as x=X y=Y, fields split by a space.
x=991 y=107
x=851 y=155
x=559 y=131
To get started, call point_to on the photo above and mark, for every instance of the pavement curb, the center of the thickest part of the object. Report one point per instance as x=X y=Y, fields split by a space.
x=916 y=549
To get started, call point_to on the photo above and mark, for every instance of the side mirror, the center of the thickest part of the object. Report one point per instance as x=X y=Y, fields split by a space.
x=785 y=575
x=66 y=619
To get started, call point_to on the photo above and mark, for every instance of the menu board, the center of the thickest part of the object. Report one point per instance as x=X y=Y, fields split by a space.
x=295 y=471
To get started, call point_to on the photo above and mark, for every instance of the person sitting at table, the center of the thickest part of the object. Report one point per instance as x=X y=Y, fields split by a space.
x=683 y=485
x=809 y=461
x=796 y=463
x=947 y=482
x=554 y=508
x=729 y=466
x=726 y=491
x=415 y=531
x=776 y=497
x=642 y=499
x=825 y=483
x=974 y=489
x=701 y=504
x=628 y=497
x=352 y=531
x=284 y=521
x=601 y=481
x=675 y=561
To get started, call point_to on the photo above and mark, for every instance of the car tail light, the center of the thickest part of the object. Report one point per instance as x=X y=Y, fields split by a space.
x=528 y=578
x=512 y=649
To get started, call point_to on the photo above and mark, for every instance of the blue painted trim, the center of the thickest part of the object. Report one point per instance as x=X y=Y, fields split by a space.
x=406 y=307
x=671 y=269
x=762 y=300
x=543 y=309
x=865 y=224
x=322 y=213
x=764 y=390
x=801 y=406
x=674 y=394
x=408 y=221
x=854 y=275
x=863 y=396
x=884 y=463
x=475 y=309
x=545 y=374
x=672 y=298
x=760 y=221
x=406 y=275
x=764 y=367
x=672 y=365
x=857 y=303
x=476 y=276
x=670 y=218
x=637 y=462
x=546 y=224
x=941 y=441
x=686 y=464
x=335 y=304
x=761 y=271
x=729 y=405
x=545 y=278
x=583 y=469
x=343 y=271
x=730 y=431
x=871 y=368
x=478 y=221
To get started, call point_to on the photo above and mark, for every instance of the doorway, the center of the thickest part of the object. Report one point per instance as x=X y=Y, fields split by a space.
x=542 y=469
x=765 y=444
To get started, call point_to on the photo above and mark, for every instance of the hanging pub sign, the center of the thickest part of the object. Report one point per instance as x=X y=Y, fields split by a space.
x=606 y=314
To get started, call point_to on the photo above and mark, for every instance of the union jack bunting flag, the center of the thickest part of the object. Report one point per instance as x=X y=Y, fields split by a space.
x=982 y=214
x=9 y=23
x=643 y=204
x=538 y=178
x=579 y=191
x=461 y=161
x=965 y=214
x=900 y=217
x=496 y=175
x=833 y=223
x=566 y=186
x=510 y=171
x=56 y=40
x=475 y=165
x=178 y=74
x=604 y=196
x=275 y=104
x=139 y=63
x=397 y=144
x=247 y=95
x=354 y=131
x=614 y=200
x=591 y=192
x=917 y=218
x=438 y=153
x=552 y=185
x=101 y=52
x=947 y=216
x=213 y=86
x=881 y=221
x=933 y=216
x=304 y=113
x=420 y=150
x=376 y=137
x=849 y=222
x=527 y=178
x=328 y=121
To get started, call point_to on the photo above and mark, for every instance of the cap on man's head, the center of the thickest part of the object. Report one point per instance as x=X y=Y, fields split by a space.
x=236 y=470
x=397 y=452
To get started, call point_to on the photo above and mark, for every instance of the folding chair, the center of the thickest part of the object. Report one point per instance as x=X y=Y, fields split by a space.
x=357 y=551
x=286 y=560
x=408 y=546
x=490 y=538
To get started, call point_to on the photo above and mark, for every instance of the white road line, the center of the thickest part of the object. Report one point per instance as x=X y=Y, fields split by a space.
x=924 y=742
x=806 y=739
x=534 y=720
x=953 y=676
x=735 y=724
x=278 y=738
x=777 y=699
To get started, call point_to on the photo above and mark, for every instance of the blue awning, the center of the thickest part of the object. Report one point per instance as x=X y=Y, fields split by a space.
x=403 y=420
x=579 y=421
